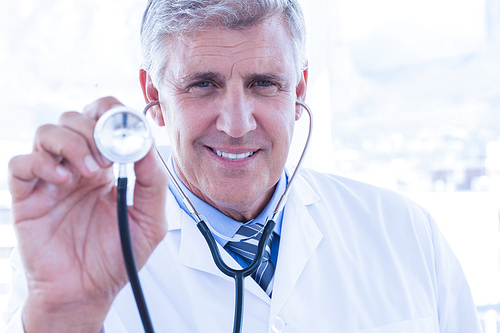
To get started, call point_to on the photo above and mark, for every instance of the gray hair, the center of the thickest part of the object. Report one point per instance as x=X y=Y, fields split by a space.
x=165 y=18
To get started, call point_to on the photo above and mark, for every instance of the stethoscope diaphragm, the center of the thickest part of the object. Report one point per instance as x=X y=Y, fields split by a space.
x=122 y=135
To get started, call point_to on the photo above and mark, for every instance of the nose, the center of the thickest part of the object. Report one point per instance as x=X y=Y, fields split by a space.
x=236 y=115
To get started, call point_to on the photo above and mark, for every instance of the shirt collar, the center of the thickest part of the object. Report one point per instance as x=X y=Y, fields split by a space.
x=222 y=223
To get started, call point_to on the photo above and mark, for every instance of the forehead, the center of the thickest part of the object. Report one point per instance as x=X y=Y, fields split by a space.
x=265 y=47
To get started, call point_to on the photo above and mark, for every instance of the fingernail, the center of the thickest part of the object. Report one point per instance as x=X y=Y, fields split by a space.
x=61 y=171
x=91 y=164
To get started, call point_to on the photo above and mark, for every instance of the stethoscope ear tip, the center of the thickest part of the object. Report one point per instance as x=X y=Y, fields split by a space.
x=149 y=105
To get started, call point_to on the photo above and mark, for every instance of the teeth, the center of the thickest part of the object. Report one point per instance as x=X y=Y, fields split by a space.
x=232 y=156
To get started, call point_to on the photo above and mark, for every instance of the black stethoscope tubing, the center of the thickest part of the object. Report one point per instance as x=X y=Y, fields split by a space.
x=128 y=255
x=237 y=274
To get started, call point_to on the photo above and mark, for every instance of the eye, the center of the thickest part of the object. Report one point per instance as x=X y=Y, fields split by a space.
x=263 y=83
x=204 y=84
x=265 y=88
x=202 y=88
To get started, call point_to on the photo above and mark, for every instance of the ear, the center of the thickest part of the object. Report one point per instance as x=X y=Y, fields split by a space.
x=300 y=91
x=151 y=94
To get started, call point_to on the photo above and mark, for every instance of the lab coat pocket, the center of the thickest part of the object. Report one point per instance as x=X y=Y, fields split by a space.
x=421 y=325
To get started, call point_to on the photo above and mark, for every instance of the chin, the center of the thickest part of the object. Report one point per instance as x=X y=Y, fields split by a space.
x=247 y=200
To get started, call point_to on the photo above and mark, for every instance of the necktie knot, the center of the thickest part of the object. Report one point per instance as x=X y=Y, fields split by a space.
x=247 y=249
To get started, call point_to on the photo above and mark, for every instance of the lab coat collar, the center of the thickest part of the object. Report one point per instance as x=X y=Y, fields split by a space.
x=300 y=237
x=306 y=195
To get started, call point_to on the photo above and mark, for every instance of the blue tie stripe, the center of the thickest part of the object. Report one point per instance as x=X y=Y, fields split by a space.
x=253 y=230
x=247 y=250
x=266 y=274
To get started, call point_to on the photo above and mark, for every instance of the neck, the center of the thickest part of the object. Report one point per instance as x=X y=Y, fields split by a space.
x=241 y=212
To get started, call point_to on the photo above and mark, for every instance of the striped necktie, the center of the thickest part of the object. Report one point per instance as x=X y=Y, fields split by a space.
x=248 y=248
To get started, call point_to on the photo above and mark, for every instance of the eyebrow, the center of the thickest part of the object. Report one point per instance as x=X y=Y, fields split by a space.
x=265 y=77
x=202 y=76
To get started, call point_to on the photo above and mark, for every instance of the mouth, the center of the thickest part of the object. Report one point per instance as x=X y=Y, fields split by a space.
x=232 y=156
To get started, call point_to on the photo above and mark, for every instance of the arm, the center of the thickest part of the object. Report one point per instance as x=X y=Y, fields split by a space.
x=456 y=309
x=64 y=208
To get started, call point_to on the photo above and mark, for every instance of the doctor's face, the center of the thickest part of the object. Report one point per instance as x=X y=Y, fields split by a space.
x=228 y=103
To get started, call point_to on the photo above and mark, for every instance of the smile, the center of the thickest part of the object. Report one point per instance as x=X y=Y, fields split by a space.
x=232 y=156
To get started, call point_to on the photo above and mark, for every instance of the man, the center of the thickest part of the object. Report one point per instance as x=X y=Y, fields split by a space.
x=348 y=257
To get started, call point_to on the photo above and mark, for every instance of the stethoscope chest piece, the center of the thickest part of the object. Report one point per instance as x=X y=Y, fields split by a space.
x=123 y=135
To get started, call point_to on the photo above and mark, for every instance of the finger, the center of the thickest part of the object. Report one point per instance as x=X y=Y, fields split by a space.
x=84 y=125
x=149 y=168
x=69 y=145
x=150 y=195
x=151 y=180
x=96 y=109
x=26 y=170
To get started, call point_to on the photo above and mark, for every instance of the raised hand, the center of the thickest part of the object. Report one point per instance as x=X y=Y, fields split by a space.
x=64 y=208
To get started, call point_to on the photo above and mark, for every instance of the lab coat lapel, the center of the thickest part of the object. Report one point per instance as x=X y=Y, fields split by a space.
x=194 y=251
x=300 y=237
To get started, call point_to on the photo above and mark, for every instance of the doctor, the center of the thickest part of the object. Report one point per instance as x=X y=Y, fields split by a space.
x=346 y=257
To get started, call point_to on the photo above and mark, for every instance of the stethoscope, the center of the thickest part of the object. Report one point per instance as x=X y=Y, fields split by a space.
x=123 y=136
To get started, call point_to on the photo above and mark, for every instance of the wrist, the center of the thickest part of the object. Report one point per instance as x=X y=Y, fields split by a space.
x=43 y=317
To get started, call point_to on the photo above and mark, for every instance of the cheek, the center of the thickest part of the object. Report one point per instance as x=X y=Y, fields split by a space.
x=288 y=130
x=280 y=131
x=285 y=125
x=169 y=126
x=287 y=136
x=174 y=128
x=185 y=127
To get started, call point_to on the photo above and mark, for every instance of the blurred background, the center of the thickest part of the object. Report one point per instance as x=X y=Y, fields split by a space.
x=406 y=95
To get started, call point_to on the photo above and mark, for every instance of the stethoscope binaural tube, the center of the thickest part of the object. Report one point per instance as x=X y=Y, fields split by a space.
x=118 y=119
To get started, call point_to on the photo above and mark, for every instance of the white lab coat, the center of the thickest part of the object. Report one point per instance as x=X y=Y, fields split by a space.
x=352 y=258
